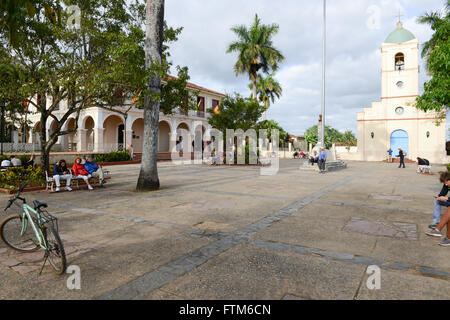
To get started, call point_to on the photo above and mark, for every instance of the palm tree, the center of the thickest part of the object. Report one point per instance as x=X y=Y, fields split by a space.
x=148 y=176
x=268 y=89
x=255 y=50
x=435 y=20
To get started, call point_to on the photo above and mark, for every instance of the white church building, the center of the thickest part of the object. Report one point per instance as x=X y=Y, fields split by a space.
x=394 y=122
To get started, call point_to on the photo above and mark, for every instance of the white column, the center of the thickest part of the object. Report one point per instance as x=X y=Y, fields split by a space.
x=98 y=138
x=128 y=134
x=81 y=140
x=172 y=141
x=15 y=136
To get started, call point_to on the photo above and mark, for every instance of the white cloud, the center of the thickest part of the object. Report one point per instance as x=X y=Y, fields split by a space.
x=353 y=55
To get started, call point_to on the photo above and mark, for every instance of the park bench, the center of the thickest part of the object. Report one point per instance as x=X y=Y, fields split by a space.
x=50 y=181
x=424 y=169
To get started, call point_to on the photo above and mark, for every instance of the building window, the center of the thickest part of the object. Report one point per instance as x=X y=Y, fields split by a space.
x=201 y=107
x=399 y=61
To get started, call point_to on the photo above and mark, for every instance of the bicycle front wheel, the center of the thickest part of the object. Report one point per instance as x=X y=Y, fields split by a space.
x=10 y=232
x=55 y=249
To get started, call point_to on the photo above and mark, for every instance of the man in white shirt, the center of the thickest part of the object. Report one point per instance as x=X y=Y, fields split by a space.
x=15 y=161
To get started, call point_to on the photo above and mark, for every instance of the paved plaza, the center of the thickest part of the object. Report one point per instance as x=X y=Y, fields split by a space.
x=230 y=233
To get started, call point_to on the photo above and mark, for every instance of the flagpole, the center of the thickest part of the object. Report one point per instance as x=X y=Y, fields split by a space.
x=322 y=142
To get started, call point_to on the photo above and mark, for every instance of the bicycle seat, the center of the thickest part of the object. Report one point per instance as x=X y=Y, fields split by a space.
x=37 y=204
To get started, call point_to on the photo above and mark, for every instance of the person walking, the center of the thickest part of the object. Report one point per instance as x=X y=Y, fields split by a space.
x=322 y=160
x=401 y=155
x=389 y=155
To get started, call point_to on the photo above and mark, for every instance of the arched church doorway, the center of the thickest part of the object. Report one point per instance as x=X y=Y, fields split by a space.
x=400 y=139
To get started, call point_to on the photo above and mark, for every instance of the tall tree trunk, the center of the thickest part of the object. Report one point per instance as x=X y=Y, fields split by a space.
x=148 y=177
x=45 y=156
x=2 y=126
x=254 y=91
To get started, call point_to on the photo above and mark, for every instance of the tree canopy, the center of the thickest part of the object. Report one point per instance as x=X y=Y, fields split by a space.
x=236 y=112
x=270 y=125
x=331 y=135
x=256 y=50
x=100 y=64
x=436 y=95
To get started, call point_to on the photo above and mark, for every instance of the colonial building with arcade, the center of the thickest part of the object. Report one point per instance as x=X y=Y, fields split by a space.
x=100 y=130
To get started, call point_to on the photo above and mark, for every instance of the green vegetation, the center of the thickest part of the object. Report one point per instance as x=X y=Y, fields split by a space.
x=256 y=50
x=436 y=94
x=331 y=135
x=270 y=125
x=14 y=177
x=116 y=156
x=236 y=112
x=267 y=90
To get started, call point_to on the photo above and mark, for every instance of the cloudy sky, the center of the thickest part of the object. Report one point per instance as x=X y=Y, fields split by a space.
x=355 y=31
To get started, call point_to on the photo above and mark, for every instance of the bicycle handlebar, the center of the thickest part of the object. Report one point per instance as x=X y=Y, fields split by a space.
x=11 y=201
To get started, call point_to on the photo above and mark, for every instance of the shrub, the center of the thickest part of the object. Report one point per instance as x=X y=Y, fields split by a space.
x=448 y=167
x=15 y=177
x=113 y=157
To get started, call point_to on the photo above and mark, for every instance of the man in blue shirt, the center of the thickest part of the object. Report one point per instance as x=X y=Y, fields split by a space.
x=322 y=159
x=94 y=170
x=390 y=155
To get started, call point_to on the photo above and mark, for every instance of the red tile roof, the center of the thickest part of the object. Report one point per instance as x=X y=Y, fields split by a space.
x=196 y=87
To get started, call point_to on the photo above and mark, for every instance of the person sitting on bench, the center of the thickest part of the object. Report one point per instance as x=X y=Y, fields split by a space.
x=80 y=172
x=94 y=170
x=60 y=171
x=314 y=158
x=422 y=164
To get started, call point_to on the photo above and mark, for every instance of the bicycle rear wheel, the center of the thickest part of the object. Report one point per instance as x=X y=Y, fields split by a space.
x=10 y=232
x=55 y=249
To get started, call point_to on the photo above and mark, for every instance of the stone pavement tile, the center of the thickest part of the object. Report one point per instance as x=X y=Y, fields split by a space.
x=3 y=250
x=9 y=262
x=398 y=285
x=30 y=257
x=425 y=252
x=70 y=249
x=248 y=272
x=23 y=270
x=162 y=295
x=320 y=226
x=291 y=297
x=380 y=228
x=230 y=219
x=70 y=239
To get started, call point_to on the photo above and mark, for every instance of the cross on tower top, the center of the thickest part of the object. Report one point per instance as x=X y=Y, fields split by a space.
x=400 y=15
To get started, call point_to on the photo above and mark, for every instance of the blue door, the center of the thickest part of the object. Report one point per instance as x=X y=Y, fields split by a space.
x=399 y=139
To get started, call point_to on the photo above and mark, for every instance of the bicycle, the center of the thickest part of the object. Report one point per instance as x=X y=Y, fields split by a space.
x=16 y=234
